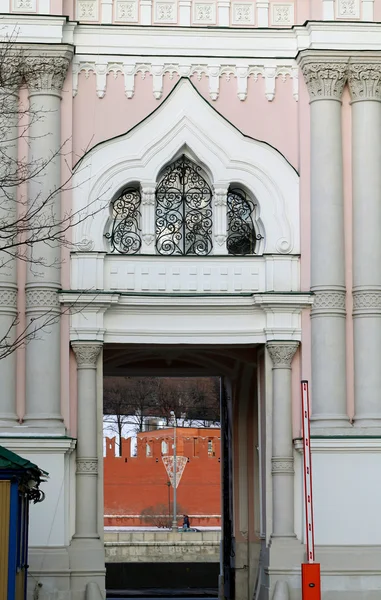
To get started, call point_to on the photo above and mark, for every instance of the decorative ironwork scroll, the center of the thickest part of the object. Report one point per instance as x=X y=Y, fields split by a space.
x=242 y=237
x=125 y=236
x=183 y=211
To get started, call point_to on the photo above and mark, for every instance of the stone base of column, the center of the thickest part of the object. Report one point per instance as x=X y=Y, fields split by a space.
x=41 y=424
x=286 y=554
x=329 y=422
x=87 y=563
x=49 y=573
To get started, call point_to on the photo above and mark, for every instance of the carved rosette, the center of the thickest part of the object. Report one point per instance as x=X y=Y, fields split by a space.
x=87 y=354
x=328 y=303
x=282 y=465
x=45 y=73
x=325 y=80
x=87 y=466
x=364 y=81
x=282 y=353
x=366 y=303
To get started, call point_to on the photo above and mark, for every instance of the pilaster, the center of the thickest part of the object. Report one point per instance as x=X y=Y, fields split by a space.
x=86 y=551
x=326 y=74
x=282 y=461
x=148 y=219
x=364 y=77
x=220 y=219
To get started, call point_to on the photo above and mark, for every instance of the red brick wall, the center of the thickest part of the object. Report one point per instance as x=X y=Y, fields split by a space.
x=134 y=483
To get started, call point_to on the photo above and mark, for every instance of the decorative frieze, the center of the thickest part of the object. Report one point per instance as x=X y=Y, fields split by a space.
x=366 y=302
x=8 y=299
x=328 y=302
x=282 y=14
x=42 y=299
x=214 y=72
x=282 y=465
x=87 y=466
x=348 y=9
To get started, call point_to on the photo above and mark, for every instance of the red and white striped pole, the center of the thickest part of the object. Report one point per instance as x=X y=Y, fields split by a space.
x=311 y=570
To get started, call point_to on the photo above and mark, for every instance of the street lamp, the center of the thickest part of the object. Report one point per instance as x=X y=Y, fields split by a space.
x=174 y=522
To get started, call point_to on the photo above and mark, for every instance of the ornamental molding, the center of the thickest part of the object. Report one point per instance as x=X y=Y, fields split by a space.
x=325 y=80
x=46 y=72
x=87 y=466
x=282 y=353
x=8 y=298
x=148 y=196
x=86 y=354
x=366 y=302
x=282 y=466
x=364 y=81
x=329 y=302
x=214 y=72
x=42 y=299
x=282 y=14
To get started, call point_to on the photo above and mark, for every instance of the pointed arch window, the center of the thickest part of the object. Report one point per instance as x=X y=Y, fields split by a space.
x=125 y=233
x=183 y=211
x=243 y=236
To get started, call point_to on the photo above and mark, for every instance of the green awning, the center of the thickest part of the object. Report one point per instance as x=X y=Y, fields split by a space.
x=11 y=461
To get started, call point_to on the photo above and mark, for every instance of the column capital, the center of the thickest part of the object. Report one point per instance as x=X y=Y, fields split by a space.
x=220 y=195
x=148 y=192
x=364 y=79
x=324 y=74
x=86 y=354
x=282 y=353
x=45 y=72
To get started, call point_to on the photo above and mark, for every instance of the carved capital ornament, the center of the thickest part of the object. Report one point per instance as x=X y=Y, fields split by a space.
x=86 y=354
x=364 y=81
x=282 y=353
x=325 y=80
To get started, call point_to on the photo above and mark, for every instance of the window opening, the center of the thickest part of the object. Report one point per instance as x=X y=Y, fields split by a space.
x=125 y=234
x=183 y=211
x=242 y=237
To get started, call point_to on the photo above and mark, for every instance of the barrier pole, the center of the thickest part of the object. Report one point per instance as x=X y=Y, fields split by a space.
x=311 y=589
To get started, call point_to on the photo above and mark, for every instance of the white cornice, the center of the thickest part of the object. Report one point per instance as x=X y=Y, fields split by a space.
x=193 y=42
x=36 y=444
x=346 y=445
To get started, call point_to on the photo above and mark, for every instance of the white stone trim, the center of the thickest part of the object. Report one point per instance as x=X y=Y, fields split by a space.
x=165 y=11
x=24 y=6
x=214 y=70
x=204 y=13
x=126 y=11
x=227 y=154
x=342 y=445
x=87 y=10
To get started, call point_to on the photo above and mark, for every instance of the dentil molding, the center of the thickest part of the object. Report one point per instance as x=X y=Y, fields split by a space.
x=214 y=71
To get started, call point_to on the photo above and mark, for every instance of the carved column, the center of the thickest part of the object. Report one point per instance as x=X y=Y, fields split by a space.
x=282 y=460
x=148 y=219
x=45 y=75
x=365 y=88
x=220 y=220
x=86 y=521
x=325 y=76
x=9 y=96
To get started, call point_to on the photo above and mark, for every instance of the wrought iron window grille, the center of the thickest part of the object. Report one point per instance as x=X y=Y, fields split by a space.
x=125 y=233
x=183 y=211
x=242 y=236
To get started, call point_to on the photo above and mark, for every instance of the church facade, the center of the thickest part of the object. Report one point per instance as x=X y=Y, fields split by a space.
x=219 y=161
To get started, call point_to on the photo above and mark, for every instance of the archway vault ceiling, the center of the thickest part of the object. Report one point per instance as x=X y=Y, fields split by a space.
x=176 y=360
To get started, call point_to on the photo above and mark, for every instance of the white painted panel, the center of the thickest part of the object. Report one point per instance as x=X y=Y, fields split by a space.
x=347 y=498
x=47 y=519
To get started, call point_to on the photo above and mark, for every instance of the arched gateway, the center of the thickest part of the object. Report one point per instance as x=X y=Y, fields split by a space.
x=190 y=265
